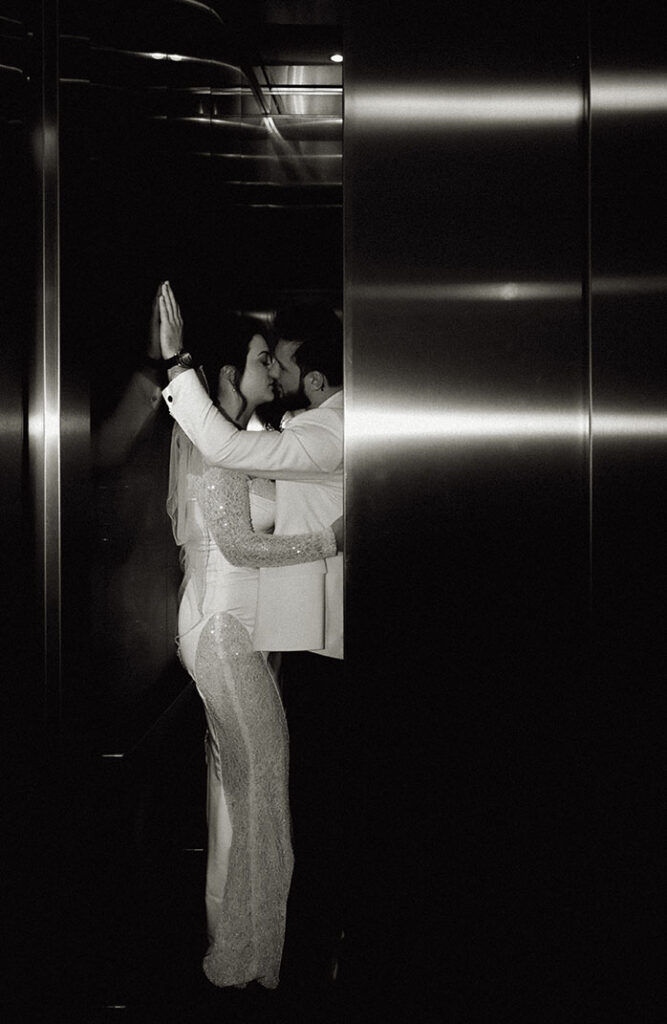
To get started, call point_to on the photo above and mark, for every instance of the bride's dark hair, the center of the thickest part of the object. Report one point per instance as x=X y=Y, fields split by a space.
x=226 y=345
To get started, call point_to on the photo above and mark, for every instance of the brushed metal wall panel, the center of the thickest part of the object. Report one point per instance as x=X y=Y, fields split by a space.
x=467 y=487
x=629 y=327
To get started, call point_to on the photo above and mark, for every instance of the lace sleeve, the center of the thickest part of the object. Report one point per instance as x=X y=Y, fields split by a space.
x=225 y=502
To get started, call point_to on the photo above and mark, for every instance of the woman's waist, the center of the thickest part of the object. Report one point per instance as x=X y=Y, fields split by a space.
x=236 y=597
x=234 y=576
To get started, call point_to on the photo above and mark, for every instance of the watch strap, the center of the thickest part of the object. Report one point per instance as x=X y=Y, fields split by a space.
x=181 y=358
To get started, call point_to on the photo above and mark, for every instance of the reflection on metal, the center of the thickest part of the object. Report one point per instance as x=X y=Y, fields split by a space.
x=629 y=93
x=451 y=425
x=472 y=291
x=290 y=105
x=483 y=106
x=379 y=426
x=44 y=402
x=639 y=426
x=147 y=55
x=474 y=107
x=508 y=291
x=202 y=7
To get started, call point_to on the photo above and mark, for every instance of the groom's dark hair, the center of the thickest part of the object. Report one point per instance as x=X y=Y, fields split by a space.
x=323 y=355
x=320 y=332
x=306 y=321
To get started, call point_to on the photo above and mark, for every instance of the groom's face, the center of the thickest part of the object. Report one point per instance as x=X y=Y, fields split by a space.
x=289 y=386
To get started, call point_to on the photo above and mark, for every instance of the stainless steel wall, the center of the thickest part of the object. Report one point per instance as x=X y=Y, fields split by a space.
x=506 y=313
x=629 y=552
x=467 y=495
x=505 y=317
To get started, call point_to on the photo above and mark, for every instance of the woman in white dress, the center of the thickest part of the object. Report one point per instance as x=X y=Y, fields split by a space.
x=222 y=520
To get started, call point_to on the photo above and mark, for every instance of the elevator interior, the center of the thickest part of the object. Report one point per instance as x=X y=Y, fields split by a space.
x=200 y=143
x=505 y=308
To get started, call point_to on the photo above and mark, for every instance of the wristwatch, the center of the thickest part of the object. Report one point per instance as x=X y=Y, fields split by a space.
x=181 y=358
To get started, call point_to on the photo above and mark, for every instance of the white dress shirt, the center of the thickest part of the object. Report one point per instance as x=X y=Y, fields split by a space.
x=299 y=607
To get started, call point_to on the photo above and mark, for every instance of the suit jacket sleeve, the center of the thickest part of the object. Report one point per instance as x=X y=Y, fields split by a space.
x=311 y=445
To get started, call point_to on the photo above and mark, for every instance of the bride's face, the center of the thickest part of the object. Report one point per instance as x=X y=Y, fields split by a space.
x=257 y=381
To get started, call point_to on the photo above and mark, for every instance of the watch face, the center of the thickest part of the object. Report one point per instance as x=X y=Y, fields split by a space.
x=185 y=359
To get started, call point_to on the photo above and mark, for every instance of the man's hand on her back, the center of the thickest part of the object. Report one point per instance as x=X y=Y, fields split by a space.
x=337 y=527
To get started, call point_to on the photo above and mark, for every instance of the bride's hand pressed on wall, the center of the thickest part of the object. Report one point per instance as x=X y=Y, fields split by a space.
x=171 y=323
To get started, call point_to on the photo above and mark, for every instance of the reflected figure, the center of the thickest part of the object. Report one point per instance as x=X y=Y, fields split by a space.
x=135 y=577
x=222 y=521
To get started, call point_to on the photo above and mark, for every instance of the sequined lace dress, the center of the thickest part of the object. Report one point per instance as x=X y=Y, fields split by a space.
x=250 y=857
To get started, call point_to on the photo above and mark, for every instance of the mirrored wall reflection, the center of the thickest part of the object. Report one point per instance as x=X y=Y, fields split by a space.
x=19 y=598
x=200 y=143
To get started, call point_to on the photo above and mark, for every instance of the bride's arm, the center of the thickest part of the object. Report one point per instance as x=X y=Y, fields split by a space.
x=225 y=503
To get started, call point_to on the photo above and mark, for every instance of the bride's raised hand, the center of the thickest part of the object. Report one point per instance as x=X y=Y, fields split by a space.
x=171 y=323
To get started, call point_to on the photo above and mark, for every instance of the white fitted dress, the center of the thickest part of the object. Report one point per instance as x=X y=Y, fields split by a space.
x=250 y=858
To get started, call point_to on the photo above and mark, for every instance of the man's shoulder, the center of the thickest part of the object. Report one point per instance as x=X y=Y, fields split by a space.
x=327 y=418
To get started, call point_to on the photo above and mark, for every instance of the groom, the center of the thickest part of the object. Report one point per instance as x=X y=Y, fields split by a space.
x=300 y=608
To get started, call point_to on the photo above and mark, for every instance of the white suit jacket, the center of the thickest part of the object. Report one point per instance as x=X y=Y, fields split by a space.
x=299 y=607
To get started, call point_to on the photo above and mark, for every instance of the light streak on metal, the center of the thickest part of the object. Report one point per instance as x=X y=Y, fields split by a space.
x=44 y=406
x=485 y=106
x=305 y=90
x=203 y=7
x=144 y=54
x=631 y=93
x=481 y=424
x=481 y=106
x=508 y=291
x=488 y=424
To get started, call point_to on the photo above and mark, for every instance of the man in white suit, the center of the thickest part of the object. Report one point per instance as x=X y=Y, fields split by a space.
x=300 y=608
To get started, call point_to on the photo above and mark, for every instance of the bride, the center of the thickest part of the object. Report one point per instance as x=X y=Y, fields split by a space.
x=222 y=521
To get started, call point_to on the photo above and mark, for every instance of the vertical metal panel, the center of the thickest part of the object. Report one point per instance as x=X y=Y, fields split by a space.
x=629 y=291
x=44 y=404
x=467 y=467
x=17 y=302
